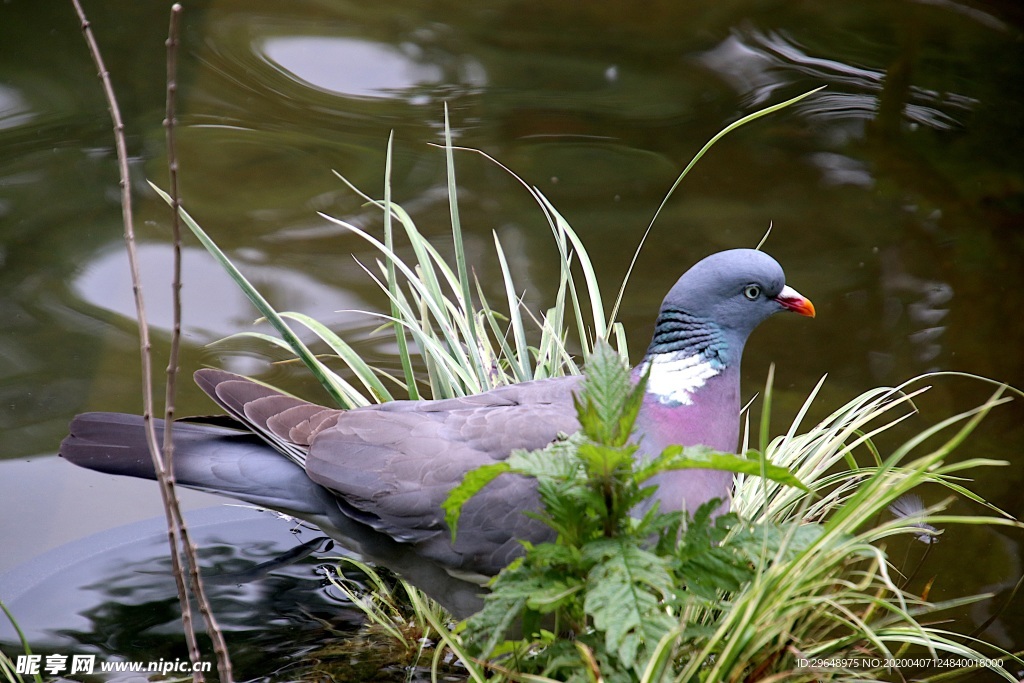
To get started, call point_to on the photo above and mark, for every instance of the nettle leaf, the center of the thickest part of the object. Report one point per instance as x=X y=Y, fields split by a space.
x=555 y=555
x=785 y=541
x=565 y=663
x=606 y=397
x=707 y=559
x=566 y=505
x=624 y=596
x=503 y=606
x=523 y=592
x=485 y=630
x=557 y=461
x=551 y=593
x=702 y=457
x=631 y=407
x=604 y=461
x=716 y=569
x=471 y=484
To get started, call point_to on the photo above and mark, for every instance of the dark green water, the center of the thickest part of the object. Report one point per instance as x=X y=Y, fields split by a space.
x=896 y=195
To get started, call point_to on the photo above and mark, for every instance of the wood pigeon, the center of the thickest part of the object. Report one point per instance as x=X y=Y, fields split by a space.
x=374 y=478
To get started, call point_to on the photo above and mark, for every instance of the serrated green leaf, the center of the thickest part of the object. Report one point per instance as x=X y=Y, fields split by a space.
x=604 y=461
x=602 y=401
x=623 y=596
x=470 y=485
x=556 y=460
x=700 y=457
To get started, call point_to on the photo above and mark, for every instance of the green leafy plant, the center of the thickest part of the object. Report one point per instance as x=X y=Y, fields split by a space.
x=618 y=582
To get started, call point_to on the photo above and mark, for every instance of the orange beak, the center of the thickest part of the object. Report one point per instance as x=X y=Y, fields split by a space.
x=792 y=300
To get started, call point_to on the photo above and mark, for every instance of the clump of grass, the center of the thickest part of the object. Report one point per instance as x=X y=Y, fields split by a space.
x=840 y=599
x=398 y=635
x=463 y=343
x=815 y=582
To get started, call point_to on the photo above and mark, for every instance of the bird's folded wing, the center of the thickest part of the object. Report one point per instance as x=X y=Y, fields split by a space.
x=286 y=422
x=396 y=463
x=393 y=465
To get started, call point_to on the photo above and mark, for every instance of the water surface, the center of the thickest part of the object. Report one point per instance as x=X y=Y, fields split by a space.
x=895 y=195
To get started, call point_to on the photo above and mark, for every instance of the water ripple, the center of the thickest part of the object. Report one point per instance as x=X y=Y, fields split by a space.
x=757 y=63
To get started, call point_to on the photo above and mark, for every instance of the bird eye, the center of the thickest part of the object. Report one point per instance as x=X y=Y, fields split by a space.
x=751 y=292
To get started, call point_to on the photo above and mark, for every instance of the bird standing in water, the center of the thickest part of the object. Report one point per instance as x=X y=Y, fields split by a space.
x=374 y=478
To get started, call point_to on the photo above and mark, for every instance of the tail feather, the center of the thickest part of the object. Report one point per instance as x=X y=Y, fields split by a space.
x=267 y=412
x=207 y=457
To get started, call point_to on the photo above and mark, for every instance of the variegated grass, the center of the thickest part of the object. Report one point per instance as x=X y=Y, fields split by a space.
x=840 y=599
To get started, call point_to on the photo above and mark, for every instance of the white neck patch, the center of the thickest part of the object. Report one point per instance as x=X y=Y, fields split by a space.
x=674 y=379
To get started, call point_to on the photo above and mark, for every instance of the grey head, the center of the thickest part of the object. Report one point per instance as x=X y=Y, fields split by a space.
x=716 y=304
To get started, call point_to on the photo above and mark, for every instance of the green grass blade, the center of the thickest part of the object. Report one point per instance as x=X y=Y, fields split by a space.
x=460 y=251
x=522 y=356
x=437 y=311
x=693 y=162
x=21 y=636
x=366 y=375
x=490 y=316
x=589 y=275
x=473 y=668
x=327 y=378
x=766 y=410
x=403 y=344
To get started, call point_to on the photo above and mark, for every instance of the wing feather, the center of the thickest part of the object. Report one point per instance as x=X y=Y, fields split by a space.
x=397 y=463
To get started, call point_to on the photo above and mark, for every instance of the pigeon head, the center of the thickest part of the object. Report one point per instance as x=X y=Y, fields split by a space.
x=735 y=290
x=708 y=314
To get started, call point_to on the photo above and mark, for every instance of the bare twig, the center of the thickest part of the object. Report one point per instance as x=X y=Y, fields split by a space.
x=171 y=508
x=170 y=121
x=178 y=538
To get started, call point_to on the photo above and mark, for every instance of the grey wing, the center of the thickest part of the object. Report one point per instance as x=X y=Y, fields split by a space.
x=395 y=464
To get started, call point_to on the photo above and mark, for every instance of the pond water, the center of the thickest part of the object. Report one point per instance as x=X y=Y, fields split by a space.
x=896 y=196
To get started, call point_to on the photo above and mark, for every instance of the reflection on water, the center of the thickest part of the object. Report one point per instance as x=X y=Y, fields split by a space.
x=371 y=69
x=14 y=110
x=215 y=307
x=917 y=304
x=838 y=169
x=112 y=595
x=759 y=64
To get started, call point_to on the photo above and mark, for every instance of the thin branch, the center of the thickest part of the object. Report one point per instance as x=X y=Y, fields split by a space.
x=172 y=170
x=213 y=630
x=171 y=509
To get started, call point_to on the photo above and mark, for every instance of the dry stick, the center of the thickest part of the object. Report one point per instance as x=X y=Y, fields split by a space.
x=170 y=121
x=167 y=493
